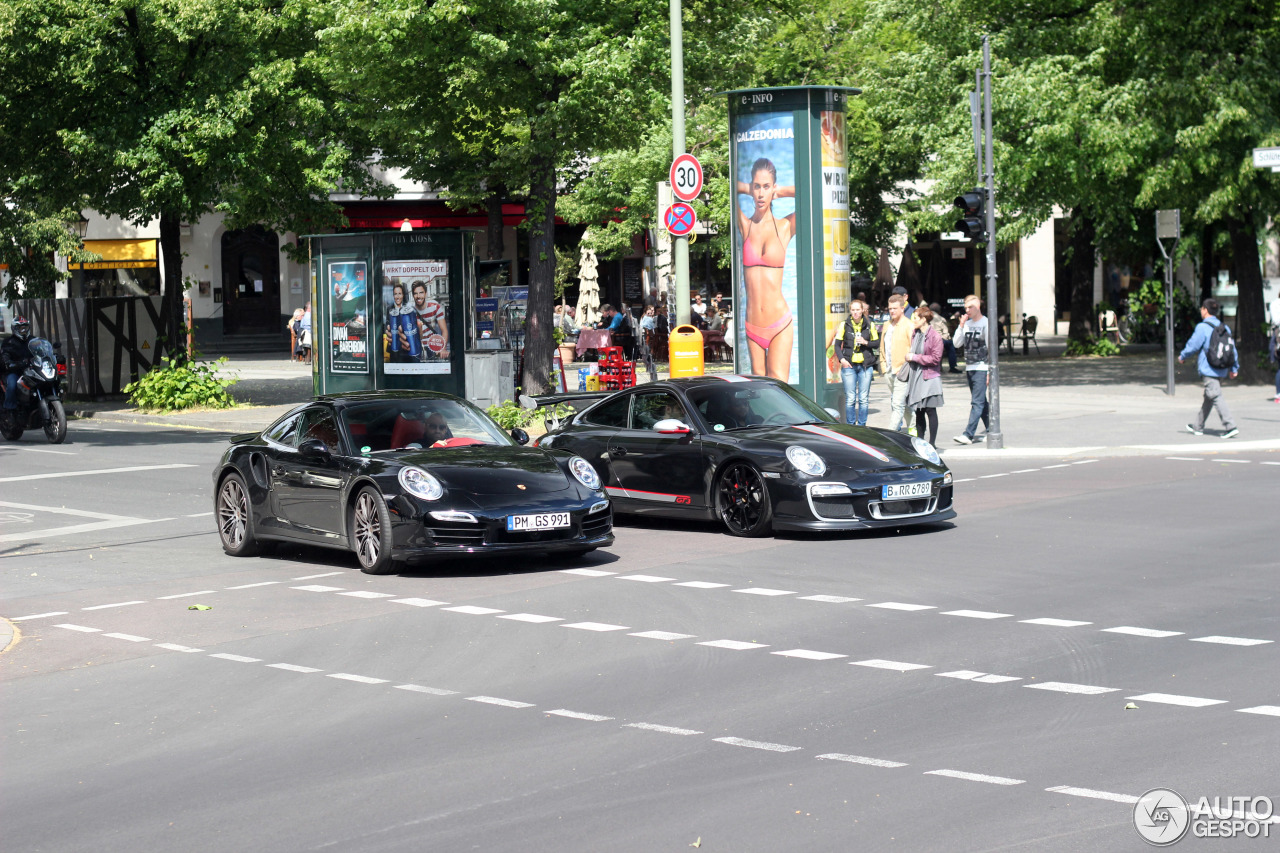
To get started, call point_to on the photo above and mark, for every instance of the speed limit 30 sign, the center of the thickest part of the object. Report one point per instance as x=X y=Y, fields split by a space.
x=686 y=177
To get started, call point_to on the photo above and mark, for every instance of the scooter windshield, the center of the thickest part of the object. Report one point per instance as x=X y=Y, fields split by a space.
x=40 y=349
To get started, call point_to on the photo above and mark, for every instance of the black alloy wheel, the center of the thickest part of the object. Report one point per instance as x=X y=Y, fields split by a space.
x=56 y=430
x=235 y=518
x=742 y=500
x=370 y=531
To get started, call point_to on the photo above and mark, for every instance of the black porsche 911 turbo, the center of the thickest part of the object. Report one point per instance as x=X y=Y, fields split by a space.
x=397 y=475
x=755 y=454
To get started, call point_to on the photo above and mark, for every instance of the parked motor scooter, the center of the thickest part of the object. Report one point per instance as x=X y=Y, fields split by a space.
x=39 y=395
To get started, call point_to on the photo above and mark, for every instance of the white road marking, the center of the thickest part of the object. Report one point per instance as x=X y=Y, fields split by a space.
x=1185 y=458
x=531 y=617
x=992 y=476
x=236 y=658
x=434 y=691
x=595 y=626
x=898 y=605
x=1234 y=461
x=472 y=610
x=965 y=480
x=861 y=759
x=1065 y=687
x=899 y=666
x=418 y=602
x=975 y=777
x=644 y=578
x=830 y=599
x=38 y=616
x=96 y=471
x=186 y=594
x=1094 y=795
x=1269 y=463
x=81 y=628
x=736 y=645
x=1025 y=471
x=313 y=577
x=1269 y=710
x=756 y=744
x=1230 y=641
x=198 y=515
x=294 y=667
x=654 y=727
x=361 y=593
x=1085 y=462
x=964 y=674
x=1173 y=699
x=701 y=585
x=133 y=638
x=755 y=590
x=589 y=573
x=996 y=679
x=662 y=635
x=578 y=715
x=315 y=587
x=809 y=655
x=493 y=700
x=1057 y=623
x=977 y=614
x=41 y=450
x=174 y=647
x=252 y=585
x=360 y=679
x=1141 y=632
x=116 y=604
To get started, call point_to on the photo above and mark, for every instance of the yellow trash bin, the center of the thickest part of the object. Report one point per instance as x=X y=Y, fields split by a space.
x=686 y=352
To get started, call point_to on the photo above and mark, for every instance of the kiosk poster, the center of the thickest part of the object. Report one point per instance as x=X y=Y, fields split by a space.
x=835 y=231
x=415 y=335
x=348 y=316
x=765 y=225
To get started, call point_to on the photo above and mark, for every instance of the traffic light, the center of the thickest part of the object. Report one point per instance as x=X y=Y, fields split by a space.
x=972 y=206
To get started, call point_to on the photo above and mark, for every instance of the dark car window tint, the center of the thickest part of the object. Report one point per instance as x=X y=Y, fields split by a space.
x=610 y=414
x=285 y=432
x=651 y=407
x=320 y=424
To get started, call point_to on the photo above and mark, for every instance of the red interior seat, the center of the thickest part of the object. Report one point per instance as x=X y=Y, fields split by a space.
x=406 y=431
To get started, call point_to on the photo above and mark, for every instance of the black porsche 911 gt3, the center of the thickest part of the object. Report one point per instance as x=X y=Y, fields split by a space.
x=397 y=475
x=755 y=454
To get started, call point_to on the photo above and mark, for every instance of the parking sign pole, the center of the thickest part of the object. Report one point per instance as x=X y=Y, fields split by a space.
x=680 y=245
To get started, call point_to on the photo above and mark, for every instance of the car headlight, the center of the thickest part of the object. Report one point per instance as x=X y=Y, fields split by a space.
x=420 y=484
x=806 y=460
x=585 y=474
x=927 y=450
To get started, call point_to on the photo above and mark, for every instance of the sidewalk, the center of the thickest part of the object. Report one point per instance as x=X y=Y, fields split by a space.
x=1049 y=406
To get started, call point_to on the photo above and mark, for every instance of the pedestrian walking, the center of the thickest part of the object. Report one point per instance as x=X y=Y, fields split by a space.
x=1216 y=358
x=857 y=345
x=924 y=383
x=1273 y=349
x=895 y=343
x=944 y=329
x=973 y=337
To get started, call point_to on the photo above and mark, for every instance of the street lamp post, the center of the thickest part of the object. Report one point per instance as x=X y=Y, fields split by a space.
x=680 y=245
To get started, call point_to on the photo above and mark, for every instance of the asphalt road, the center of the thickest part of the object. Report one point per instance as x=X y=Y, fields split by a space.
x=942 y=689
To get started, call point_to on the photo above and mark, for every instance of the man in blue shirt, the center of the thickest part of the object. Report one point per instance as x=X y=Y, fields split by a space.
x=612 y=320
x=1211 y=375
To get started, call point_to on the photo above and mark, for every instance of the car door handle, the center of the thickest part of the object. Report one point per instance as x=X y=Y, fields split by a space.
x=617 y=451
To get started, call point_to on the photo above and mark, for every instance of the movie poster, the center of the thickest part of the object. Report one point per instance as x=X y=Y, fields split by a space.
x=415 y=332
x=348 y=316
x=764 y=244
x=835 y=231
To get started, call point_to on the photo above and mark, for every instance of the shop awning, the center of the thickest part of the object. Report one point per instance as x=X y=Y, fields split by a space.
x=121 y=254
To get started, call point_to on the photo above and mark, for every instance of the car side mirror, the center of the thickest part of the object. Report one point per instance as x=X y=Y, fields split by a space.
x=314 y=448
x=520 y=436
x=830 y=411
x=672 y=426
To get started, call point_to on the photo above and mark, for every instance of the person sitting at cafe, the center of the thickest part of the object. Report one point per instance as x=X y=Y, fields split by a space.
x=611 y=319
x=715 y=320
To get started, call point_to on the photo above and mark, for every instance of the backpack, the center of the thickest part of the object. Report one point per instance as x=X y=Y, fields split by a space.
x=1221 y=352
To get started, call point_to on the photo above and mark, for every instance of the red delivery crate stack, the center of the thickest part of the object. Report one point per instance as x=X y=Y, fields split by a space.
x=615 y=373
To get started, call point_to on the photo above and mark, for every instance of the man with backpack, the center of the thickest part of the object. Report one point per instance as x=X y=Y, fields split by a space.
x=1218 y=358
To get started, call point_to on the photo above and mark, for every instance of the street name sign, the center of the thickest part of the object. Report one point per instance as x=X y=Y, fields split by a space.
x=1266 y=158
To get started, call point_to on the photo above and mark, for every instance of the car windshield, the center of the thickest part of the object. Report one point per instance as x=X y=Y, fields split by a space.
x=418 y=424
x=744 y=405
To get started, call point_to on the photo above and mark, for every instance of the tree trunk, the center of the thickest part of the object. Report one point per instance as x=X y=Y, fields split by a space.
x=1082 y=263
x=1251 y=325
x=493 y=231
x=542 y=272
x=171 y=308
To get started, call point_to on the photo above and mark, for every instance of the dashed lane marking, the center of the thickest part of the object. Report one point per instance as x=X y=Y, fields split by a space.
x=1173 y=699
x=1268 y=710
x=252 y=585
x=132 y=638
x=993 y=476
x=589 y=573
x=666 y=730
x=1066 y=687
x=756 y=744
x=60 y=474
x=897 y=666
x=578 y=715
x=363 y=593
x=418 y=602
x=976 y=777
x=291 y=667
x=530 y=617
x=1025 y=471
x=418 y=688
x=1056 y=623
x=472 y=610
x=1093 y=795
x=81 y=628
x=315 y=587
x=701 y=585
x=830 y=599
x=505 y=703
x=596 y=626
x=174 y=647
x=735 y=645
x=38 y=616
x=963 y=674
x=236 y=658
x=186 y=594
x=1141 y=632
x=1186 y=458
x=898 y=605
x=978 y=677
x=1231 y=641
x=313 y=577
x=977 y=614
x=756 y=590
x=198 y=515
x=359 y=679
x=644 y=578
x=809 y=655
x=662 y=635
x=861 y=759
x=996 y=679
x=116 y=604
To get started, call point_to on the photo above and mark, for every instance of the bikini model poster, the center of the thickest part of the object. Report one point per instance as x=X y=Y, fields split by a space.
x=764 y=246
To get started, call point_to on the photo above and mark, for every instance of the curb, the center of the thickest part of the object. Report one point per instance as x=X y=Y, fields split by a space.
x=9 y=633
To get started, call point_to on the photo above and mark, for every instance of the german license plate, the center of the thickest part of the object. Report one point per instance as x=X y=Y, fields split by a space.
x=906 y=491
x=541 y=521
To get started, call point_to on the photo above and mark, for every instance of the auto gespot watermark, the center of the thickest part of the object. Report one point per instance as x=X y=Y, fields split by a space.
x=1163 y=817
